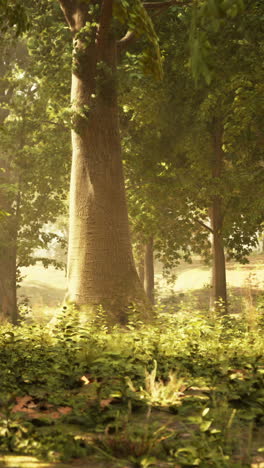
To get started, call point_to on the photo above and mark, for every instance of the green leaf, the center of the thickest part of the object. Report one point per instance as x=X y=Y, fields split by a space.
x=205 y=425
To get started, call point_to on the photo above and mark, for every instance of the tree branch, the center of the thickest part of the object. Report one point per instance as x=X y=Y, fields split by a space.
x=129 y=36
x=69 y=8
x=167 y=4
x=122 y=43
x=204 y=225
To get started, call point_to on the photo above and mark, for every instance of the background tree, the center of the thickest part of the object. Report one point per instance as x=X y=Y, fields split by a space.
x=206 y=143
x=33 y=180
x=157 y=181
x=230 y=125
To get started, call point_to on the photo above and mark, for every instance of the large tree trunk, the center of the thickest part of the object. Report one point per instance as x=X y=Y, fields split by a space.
x=101 y=269
x=219 y=267
x=149 y=270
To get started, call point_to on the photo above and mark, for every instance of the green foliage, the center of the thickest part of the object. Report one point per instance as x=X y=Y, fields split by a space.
x=34 y=148
x=178 y=391
x=169 y=137
x=208 y=19
x=13 y=16
x=133 y=14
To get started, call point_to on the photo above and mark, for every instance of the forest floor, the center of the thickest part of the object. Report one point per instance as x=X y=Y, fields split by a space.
x=185 y=391
x=44 y=288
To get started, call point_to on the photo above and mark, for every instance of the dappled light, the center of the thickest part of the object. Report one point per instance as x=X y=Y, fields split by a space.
x=131 y=234
x=147 y=394
x=22 y=462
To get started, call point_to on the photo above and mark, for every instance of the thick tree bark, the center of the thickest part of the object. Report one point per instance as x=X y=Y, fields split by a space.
x=219 y=290
x=101 y=268
x=149 y=270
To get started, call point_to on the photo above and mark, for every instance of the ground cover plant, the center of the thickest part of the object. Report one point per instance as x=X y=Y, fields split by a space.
x=186 y=391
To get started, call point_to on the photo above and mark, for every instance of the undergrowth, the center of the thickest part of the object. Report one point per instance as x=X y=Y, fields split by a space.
x=186 y=391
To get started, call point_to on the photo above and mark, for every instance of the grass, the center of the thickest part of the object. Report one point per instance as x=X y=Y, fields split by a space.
x=44 y=288
x=193 y=284
x=186 y=391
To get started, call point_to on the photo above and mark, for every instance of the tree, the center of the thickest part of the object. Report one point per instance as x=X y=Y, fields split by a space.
x=156 y=171
x=163 y=222
x=212 y=153
x=230 y=115
x=101 y=269
x=34 y=169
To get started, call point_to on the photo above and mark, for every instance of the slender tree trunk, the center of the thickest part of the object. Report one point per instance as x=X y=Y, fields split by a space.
x=140 y=260
x=219 y=292
x=101 y=268
x=149 y=270
x=9 y=225
x=219 y=267
x=8 y=297
x=141 y=271
x=140 y=264
x=8 y=239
